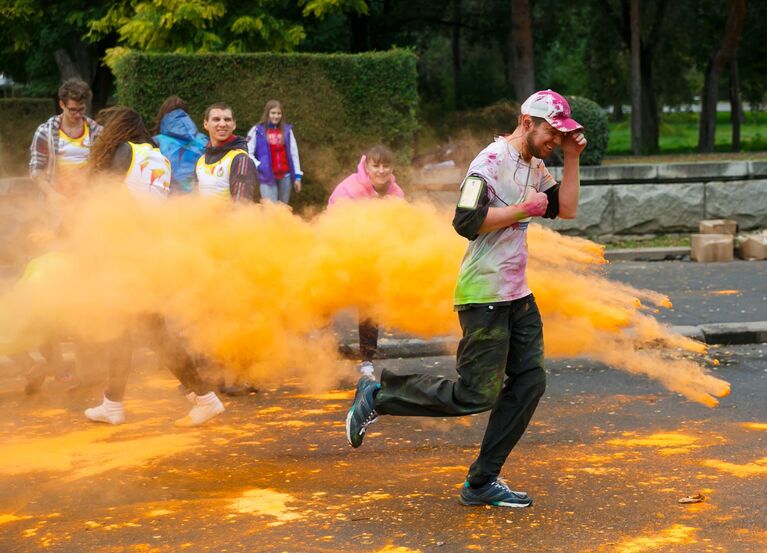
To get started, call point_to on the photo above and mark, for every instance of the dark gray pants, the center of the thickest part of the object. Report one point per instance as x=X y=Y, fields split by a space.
x=171 y=352
x=498 y=341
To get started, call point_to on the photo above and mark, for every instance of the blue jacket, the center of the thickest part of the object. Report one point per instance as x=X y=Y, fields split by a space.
x=181 y=142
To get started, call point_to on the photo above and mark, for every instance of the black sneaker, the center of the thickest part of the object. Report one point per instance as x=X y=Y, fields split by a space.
x=495 y=493
x=362 y=412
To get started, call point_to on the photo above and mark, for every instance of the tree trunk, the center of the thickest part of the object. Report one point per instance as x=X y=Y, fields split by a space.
x=67 y=67
x=456 y=44
x=720 y=59
x=618 y=111
x=360 y=32
x=102 y=86
x=636 y=80
x=650 y=123
x=735 y=106
x=522 y=59
x=623 y=23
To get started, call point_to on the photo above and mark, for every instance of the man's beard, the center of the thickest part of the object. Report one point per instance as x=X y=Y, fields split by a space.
x=535 y=151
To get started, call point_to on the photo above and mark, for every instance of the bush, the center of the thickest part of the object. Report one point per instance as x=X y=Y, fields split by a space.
x=340 y=104
x=19 y=118
x=594 y=120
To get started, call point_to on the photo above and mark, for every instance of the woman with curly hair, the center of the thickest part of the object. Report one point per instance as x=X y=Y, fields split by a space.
x=126 y=149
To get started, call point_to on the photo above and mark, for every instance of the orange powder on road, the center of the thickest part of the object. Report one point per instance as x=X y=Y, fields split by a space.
x=747 y=470
x=256 y=287
x=678 y=534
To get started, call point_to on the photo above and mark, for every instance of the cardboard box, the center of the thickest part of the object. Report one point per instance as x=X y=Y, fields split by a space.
x=753 y=246
x=712 y=247
x=718 y=226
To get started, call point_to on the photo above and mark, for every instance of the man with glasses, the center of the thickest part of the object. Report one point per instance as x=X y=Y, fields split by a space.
x=61 y=145
x=59 y=152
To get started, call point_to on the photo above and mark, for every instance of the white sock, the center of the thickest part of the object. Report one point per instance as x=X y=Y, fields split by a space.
x=366 y=367
x=110 y=405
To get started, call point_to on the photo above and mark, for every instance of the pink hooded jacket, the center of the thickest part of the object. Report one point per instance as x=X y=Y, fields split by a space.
x=357 y=187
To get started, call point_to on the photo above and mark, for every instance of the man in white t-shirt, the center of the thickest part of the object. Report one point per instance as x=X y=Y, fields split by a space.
x=500 y=357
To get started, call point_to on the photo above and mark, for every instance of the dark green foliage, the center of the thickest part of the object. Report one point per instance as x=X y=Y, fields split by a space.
x=312 y=196
x=594 y=120
x=340 y=104
x=19 y=117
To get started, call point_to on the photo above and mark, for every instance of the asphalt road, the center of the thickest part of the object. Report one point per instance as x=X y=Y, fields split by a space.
x=701 y=292
x=606 y=459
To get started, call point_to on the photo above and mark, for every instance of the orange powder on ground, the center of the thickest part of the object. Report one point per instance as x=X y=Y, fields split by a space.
x=255 y=287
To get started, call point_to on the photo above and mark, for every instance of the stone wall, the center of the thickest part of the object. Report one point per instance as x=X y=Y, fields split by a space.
x=664 y=198
x=642 y=198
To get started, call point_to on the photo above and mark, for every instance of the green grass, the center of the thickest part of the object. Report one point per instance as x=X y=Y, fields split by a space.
x=679 y=133
x=659 y=241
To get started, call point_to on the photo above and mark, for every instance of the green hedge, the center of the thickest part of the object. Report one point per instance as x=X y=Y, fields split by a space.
x=339 y=103
x=596 y=128
x=19 y=118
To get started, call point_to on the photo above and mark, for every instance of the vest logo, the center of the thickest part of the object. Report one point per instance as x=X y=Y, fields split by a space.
x=220 y=171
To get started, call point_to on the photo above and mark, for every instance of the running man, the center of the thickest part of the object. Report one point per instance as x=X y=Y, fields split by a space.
x=500 y=357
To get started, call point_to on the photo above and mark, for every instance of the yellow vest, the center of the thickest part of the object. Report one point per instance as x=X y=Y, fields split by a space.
x=149 y=171
x=213 y=178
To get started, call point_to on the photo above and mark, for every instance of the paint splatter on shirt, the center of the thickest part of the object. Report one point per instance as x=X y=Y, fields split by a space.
x=493 y=267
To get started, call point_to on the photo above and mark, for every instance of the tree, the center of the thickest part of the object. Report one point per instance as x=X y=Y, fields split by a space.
x=719 y=60
x=636 y=79
x=648 y=42
x=42 y=43
x=200 y=26
x=752 y=55
x=522 y=49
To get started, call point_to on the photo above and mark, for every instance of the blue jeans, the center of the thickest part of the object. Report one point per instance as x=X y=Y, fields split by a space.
x=278 y=192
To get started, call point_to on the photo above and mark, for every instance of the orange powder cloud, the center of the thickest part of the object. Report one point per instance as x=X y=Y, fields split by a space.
x=256 y=287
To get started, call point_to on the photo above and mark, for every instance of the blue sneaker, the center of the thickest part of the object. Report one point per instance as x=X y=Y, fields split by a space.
x=362 y=412
x=495 y=493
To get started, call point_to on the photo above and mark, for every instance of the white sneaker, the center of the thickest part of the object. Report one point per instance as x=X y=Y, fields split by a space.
x=366 y=368
x=205 y=408
x=111 y=412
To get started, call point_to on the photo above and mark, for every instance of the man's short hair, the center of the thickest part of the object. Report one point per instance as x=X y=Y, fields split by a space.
x=218 y=105
x=75 y=89
x=536 y=120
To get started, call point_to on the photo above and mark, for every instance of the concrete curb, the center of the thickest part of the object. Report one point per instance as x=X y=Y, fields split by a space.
x=712 y=334
x=647 y=254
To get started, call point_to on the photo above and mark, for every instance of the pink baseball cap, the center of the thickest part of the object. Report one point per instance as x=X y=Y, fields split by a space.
x=552 y=107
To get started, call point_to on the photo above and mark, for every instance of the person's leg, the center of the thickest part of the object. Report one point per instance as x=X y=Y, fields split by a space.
x=368 y=332
x=115 y=354
x=177 y=360
x=34 y=369
x=284 y=188
x=481 y=361
x=268 y=192
x=205 y=402
x=519 y=398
